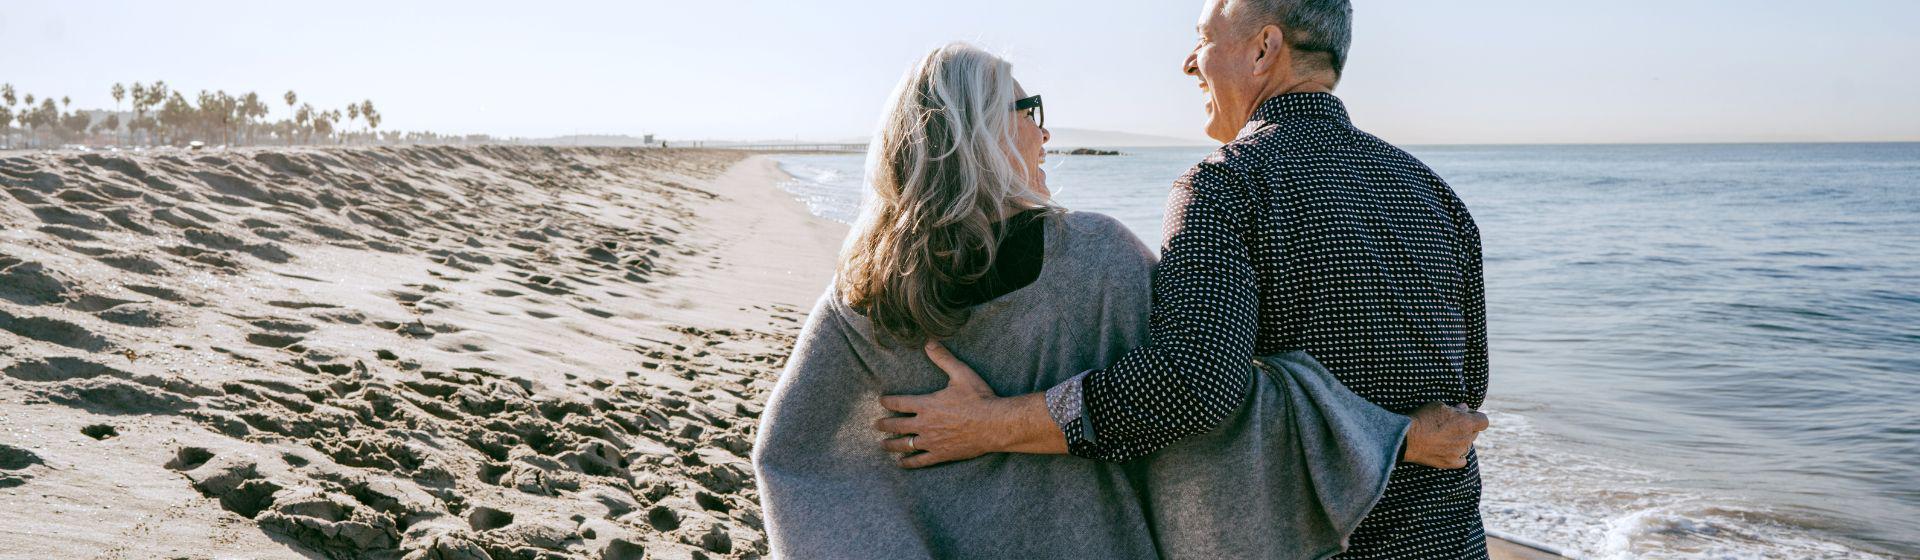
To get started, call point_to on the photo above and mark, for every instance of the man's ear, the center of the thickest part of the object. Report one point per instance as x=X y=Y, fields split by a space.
x=1274 y=52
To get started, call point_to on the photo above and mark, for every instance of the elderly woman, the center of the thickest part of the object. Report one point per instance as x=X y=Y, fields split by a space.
x=960 y=243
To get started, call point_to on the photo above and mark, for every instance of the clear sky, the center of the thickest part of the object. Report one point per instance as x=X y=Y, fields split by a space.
x=1421 y=71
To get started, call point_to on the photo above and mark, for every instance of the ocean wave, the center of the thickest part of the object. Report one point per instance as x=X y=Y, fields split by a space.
x=1589 y=507
x=829 y=185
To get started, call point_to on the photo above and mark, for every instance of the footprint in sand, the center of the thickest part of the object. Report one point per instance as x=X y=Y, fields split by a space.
x=116 y=397
x=223 y=260
x=64 y=216
x=279 y=325
x=485 y=518
x=60 y=368
x=132 y=262
x=189 y=458
x=52 y=330
x=12 y=461
x=29 y=283
x=68 y=233
x=663 y=518
x=100 y=431
x=274 y=340
x=93 y=304
x=622 y=549
x=159 y=292
x=139 y=314
x=301 y=305
x=174 y=217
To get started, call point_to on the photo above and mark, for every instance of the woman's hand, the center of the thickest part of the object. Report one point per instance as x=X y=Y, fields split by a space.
x=965 y=420
x=1442 y=435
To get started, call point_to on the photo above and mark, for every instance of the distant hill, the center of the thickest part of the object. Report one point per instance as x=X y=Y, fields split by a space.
x=1084 y=138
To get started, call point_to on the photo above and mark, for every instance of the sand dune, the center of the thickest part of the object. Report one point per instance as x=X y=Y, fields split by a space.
x=390 y=352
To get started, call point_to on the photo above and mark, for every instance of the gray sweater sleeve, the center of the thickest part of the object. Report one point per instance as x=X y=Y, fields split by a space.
x=820 y=476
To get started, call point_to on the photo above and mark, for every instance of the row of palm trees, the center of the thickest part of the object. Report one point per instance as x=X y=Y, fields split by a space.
x=163 y=116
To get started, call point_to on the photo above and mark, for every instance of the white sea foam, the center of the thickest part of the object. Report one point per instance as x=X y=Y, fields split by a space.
x=829 y=185
x=1607 y=509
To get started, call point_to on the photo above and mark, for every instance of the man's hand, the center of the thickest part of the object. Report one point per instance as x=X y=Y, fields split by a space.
x=1442 y=434
x=965 y=420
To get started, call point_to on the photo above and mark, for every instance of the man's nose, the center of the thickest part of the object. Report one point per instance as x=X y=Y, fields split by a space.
x=1045 y=135
x=1190 y=66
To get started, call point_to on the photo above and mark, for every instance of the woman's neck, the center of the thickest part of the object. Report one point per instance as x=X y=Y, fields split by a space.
x=1009 y=212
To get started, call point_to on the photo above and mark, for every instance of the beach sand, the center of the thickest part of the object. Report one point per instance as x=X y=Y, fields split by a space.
x=422 y=352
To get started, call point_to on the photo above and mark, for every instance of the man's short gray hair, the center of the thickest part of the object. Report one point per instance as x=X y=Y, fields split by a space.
x=1321 y=26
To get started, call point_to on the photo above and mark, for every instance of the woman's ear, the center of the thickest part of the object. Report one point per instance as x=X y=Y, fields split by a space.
x=1274 y=51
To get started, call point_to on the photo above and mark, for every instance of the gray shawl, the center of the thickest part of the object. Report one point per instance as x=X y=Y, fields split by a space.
x=1289 y=476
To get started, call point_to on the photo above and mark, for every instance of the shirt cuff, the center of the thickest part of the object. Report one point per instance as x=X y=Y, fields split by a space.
x=1068 y=409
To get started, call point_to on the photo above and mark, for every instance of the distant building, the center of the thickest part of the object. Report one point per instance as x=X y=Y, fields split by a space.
x=648 y=139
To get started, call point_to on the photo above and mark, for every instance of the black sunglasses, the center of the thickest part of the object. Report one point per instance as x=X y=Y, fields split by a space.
x=1039 y=113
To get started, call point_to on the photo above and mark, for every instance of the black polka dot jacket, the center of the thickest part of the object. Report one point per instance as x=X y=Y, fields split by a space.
x=1306 y=233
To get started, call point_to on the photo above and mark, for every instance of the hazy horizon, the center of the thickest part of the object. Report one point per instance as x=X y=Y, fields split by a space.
x=1497 y=72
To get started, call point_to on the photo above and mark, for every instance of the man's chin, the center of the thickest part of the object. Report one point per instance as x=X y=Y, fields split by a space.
x=1219 y=133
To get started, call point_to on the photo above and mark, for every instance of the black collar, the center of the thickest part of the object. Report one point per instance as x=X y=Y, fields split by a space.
x=1316 y=105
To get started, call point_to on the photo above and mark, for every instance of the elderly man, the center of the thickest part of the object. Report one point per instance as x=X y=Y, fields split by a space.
x=1301 y=233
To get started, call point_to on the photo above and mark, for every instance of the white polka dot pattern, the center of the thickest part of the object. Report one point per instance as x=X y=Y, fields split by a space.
x=1306 y=233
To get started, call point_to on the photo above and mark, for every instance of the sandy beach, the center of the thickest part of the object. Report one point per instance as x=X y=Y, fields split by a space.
x=422 y=352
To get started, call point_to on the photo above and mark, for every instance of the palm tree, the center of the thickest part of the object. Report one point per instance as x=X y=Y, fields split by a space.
x=303 y=116
x=156 y=95
x=333 y=118
x=119 y=92
x=6 y=94
x=291 y=98
x=353 y=112
x=66 y=123
x=48 y=115
x=28 y=118
x=251 y=108
x=323 y=123
x=6 y=129
x=139 y=96
x=110 y=125
x=73 y=127
x=373 y=117
x=217 y=114
x=177 y=116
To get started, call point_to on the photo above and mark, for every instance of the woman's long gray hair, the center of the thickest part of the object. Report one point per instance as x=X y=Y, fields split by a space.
x=941 y=174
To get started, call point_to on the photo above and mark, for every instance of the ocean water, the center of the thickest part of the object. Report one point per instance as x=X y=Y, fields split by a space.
x=1699 y=351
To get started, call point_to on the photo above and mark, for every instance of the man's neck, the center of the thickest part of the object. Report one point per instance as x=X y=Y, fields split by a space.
x=1310 y=84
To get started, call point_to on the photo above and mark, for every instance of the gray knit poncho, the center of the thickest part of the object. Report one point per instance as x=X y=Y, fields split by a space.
x=1289 y=476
